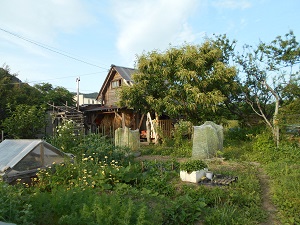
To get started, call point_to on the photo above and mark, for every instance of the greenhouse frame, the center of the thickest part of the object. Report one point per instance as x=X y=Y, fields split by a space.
x=20 y=159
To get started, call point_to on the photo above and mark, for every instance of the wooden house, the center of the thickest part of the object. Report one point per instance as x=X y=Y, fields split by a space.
x=108 y=116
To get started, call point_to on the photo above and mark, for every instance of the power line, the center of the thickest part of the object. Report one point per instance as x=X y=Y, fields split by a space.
x=42 y=81
x=49 y=48
x=81 y=75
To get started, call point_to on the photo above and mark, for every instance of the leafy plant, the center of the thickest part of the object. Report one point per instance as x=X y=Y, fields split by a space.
x=65 y=138
x=193 y=165
x=25 y=121
x=182 y=130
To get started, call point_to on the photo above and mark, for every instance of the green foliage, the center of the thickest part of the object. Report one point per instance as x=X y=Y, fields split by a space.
x=94 y=145
x=271 y=70
x=182 y=130
x=168 y=148
x=65 y=138
x=282 y=166
x=57 y=96
x=22 y=107
x=13 y=204
x=25 y=121
x=189 y=81
x=239 y=203
x=184 y=210
x=157 y=177
x=14 y=92
x=98 y=189
x=146 y=192
x=78 y=206
x=193 y=165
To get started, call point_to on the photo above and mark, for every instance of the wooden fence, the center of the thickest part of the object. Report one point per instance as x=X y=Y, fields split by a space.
x=166 y=127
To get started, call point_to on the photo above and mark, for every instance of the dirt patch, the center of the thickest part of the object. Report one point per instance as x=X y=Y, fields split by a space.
x=159 y=158
x=267 y=204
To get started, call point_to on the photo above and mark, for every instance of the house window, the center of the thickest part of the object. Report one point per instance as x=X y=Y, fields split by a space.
x=116 y=83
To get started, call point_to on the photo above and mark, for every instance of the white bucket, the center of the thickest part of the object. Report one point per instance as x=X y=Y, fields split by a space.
x=209 y=175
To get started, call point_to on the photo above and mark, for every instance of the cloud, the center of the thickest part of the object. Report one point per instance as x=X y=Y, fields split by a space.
x=231 y=4
x=41 y=21
x=149 y=25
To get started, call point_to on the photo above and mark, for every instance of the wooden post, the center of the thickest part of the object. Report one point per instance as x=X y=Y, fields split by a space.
x=148 y=134
x=141 y=121
x=123 y=120
x=152 y=128
x=42 y=152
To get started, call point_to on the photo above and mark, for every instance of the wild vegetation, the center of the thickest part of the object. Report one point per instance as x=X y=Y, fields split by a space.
x=108 y=185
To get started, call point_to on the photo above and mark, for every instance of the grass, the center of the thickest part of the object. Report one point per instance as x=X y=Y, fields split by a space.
x=98 y=190
x=281 y=165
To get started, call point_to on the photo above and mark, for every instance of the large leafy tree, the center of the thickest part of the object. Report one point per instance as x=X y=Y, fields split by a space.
x=270 y=71
x=190 y=81
x=57 y=96
x=14 y=92
x=23 y=107
x=25 y=121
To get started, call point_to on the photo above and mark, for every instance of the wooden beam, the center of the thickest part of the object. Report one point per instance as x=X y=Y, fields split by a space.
x=118 y=115
x=152 y=127
x=123 y=120
x=141 y=121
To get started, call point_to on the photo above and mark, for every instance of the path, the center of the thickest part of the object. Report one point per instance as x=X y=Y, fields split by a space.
x=264 y=180
x=267 y=204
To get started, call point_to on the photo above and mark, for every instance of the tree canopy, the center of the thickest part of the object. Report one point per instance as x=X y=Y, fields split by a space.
x=23 y=107
x=272 y=78
x=190 y=81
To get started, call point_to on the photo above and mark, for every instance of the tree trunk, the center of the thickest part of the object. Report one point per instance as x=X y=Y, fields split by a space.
x=275 y=127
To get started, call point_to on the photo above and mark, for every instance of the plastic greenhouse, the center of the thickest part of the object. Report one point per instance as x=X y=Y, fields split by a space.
x=21 y=158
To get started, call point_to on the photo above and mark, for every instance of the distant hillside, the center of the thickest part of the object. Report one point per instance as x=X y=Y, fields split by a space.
x=5 y=73
x=90 y=95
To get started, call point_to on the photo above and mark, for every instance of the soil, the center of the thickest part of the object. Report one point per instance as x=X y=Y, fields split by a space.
x=264 y=179
x=266 y=198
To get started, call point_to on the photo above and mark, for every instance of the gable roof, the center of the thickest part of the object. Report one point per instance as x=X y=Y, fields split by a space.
x=13 y=151
x=124 y=72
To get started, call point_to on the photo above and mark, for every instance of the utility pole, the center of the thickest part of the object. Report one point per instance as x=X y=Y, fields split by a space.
x=77 y=80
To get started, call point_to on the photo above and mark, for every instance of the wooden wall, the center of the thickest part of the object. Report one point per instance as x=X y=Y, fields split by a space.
x=111 y=95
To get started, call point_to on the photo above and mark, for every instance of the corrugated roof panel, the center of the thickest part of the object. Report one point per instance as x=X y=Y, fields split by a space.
x=12 y=151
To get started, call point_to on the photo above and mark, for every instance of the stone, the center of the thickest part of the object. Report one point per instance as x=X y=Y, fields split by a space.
x=207 y=140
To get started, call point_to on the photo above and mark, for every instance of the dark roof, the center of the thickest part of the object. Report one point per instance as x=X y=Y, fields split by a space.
x=125 y=72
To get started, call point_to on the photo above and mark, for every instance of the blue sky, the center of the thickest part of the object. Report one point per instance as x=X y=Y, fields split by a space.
x=57 y=41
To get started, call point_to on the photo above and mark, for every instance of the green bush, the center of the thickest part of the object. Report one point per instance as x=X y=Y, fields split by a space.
x=168 y=148
x=193 y=165
x=13 y=204
x=77 y=206
x=282 y=165
x=182 y=130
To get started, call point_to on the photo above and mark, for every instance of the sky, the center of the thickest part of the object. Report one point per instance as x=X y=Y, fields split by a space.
x=59 y=41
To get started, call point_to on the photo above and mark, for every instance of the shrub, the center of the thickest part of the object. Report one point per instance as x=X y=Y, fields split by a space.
x=193 y=165
x=182 y=130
